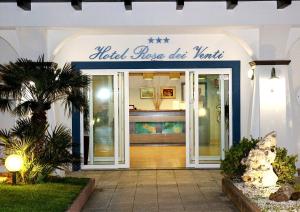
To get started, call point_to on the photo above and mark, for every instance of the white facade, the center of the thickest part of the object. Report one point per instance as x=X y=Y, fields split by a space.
x=252 y=31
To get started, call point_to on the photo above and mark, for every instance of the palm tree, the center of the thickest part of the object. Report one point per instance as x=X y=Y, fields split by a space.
x=42 y=150
x=31 y=87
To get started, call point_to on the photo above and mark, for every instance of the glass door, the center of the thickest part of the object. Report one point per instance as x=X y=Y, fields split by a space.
x=104 y=126
x=209 y=117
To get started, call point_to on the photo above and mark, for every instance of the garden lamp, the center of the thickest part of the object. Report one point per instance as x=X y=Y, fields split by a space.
x=13 y=163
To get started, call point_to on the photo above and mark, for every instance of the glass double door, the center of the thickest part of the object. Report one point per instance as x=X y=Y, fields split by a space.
x=104 y=126
x=209 y=117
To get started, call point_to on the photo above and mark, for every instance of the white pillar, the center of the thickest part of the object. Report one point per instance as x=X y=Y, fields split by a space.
x=272 y=105
x=255 y=116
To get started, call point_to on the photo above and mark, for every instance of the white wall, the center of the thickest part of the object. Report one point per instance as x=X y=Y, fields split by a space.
x=7 y=53
x=242 y=43
x=294 y=75
x=136 y=82
x=79 y=47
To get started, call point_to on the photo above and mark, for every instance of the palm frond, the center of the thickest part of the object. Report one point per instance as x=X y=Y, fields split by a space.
x=6 y=104
x=58 y=144
x=4 y=137
x=23 y=109
x=75 y=100
x=24 y=128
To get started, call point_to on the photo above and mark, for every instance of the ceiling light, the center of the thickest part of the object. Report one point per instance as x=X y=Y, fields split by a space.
x=174 y=76
x=148 y=76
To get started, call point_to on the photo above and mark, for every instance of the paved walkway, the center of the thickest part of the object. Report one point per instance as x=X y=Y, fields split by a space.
x=157 y=190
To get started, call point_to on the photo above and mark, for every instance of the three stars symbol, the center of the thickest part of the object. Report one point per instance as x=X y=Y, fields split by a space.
x=158 y=40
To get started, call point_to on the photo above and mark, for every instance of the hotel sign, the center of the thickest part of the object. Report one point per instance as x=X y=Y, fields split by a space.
x=151 y=51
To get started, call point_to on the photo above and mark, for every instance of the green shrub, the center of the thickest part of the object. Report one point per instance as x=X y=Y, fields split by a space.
x=284 y=166
x=231 y=166
x=42 y=151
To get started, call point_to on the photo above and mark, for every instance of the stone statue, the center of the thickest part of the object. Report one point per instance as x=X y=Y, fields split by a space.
x=259 y=171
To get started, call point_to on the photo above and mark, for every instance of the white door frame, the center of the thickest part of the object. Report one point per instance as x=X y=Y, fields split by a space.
x=188 y=101
x=218 y=71
x=116 y=88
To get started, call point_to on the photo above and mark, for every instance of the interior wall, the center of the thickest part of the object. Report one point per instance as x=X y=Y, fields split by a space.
x=137 y=82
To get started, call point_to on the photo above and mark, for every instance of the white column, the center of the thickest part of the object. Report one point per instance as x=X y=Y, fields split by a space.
x=272 y=106
x=255 y=116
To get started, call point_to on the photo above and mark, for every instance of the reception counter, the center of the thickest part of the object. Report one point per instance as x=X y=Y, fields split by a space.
x=157 y=127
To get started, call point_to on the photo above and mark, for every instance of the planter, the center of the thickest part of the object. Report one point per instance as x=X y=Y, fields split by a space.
x=243 y=203
x=83 y=197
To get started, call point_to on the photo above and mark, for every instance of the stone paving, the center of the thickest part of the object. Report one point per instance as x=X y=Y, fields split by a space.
x=157 y=190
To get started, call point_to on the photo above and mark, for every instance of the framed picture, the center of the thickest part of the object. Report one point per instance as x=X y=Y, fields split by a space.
x=147 y=93
x=168 y=92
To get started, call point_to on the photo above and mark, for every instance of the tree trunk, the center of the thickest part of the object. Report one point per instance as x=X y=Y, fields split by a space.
x=39 y=118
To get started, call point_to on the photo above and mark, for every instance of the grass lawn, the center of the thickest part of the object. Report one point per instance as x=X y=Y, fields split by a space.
x=55 y=195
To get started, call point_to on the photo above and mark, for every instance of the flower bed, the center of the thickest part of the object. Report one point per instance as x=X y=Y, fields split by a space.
x=255 y=199
x=260 y=196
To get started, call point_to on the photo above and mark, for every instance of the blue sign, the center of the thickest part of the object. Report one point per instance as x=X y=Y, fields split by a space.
x=144 y=52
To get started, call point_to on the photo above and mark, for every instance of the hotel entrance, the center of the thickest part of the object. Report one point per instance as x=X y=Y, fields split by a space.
x=157 y=119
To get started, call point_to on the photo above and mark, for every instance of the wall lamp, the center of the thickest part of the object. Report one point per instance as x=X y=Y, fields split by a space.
x=251 y=73
x=273 y=74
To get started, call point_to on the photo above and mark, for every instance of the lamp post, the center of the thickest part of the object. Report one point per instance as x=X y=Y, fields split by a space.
x=13 y=163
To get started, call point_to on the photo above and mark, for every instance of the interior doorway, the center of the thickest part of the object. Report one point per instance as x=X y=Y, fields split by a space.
x=157 y=120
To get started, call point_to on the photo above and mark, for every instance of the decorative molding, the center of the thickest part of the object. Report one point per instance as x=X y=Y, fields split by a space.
x=179 y=4
x=231 y=4
x=24 y=4
x=269 y=62
x=281 y=4
x=76 y=4
x=128 y=4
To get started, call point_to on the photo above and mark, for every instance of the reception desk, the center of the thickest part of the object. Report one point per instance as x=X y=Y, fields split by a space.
x=157 y=127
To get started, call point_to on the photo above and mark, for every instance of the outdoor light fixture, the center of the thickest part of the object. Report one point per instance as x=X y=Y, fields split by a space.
x=148 y=76
x=251 y=73
x=174 y=76
x=273 y=79
x=13 y=163
x=273 y=74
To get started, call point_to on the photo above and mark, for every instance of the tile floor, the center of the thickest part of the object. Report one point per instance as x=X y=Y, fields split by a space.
x=157 y=190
